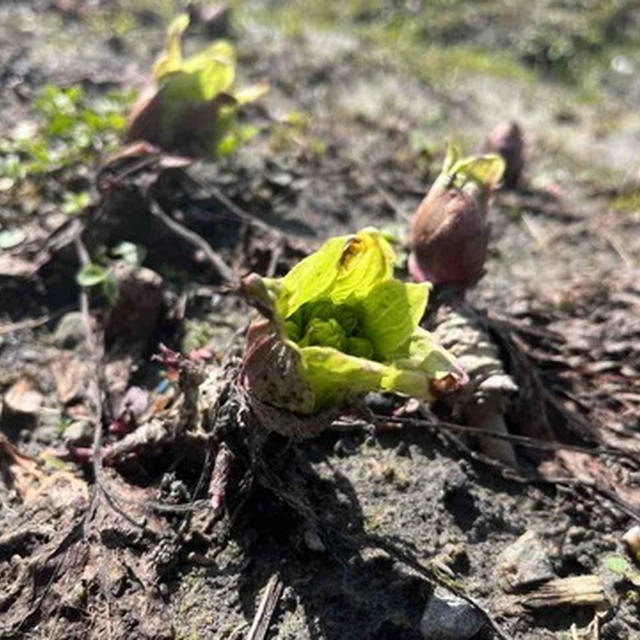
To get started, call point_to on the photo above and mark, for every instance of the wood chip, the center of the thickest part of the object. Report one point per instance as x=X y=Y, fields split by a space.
x=585 y=591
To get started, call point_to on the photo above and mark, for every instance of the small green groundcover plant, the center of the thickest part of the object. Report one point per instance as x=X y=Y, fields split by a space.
x=627 y=572
x=194 y=103
x=345 y=326
x=69 y=128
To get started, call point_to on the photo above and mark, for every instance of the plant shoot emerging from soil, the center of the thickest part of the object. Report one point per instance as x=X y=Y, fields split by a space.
x=345 y=326
x=449 y=232
x=193 y=105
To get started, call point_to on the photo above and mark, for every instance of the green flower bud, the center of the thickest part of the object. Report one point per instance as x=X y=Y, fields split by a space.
x=324 y=333
x=359 y=347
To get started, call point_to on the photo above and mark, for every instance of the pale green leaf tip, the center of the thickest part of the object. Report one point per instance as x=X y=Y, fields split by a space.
x=171 y=59
x=617 y=564
x=251 y=93
x=485 y=170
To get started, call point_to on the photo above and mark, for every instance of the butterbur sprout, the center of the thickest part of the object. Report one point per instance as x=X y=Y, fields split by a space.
x=339 y=325
x=507 y=141
x=449 y=231
x=191 y=106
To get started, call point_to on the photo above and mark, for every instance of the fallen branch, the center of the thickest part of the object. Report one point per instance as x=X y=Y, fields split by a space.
x=534 y=443
x=29 y=323
x=268 y=604
x=241 y=214
x=196 y=240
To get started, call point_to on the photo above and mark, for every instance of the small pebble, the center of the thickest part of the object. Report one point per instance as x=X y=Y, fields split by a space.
x=632 y=539
x=448 y=617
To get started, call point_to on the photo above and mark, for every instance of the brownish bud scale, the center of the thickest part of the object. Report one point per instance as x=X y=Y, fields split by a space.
x=507 y=141
x=449 y=232
x=278 y=396
x=449 y=237
x=185 y=130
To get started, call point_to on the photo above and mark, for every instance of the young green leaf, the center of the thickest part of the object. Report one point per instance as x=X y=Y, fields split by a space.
x=617 y=564
x=172 y=58
x=91 y=275
x=74 y=203
x=194 y=104
x=391 y=312
x=335 y=375
x=110 y=289
x=485 y=171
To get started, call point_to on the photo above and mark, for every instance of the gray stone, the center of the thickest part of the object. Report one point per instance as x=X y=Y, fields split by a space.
x=78 y=433
x=448 y=617
x=524 y=564
x=313 y=541
x=23 y=398
x=70 y=330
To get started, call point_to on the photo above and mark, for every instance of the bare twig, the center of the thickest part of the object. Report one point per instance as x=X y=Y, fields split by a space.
x=196 y=240
x=522 y=327
x=391 y=202
x=235 y=633
x=615 y=243
x=96 y=348
x=29 y=323
x=515 y=474
x=33 y=323
x=585 y=590
x=276 y=254
x=245 y=216
x=534 y=443
x=268 y=604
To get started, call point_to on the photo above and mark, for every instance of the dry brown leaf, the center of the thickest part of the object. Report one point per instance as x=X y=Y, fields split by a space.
x=22 y=397
x=18 y=470
x=71 y=375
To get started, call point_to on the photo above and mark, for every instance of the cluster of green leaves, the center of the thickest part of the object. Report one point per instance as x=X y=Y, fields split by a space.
x=623 y=568
x=198 y=80
x=354 y=327
x=485 y=170
x=323 y=323
x=69 y=128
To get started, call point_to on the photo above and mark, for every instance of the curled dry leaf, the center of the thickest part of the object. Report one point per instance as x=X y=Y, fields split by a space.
x=70 y=374
x=23 y=398
x=18 y=470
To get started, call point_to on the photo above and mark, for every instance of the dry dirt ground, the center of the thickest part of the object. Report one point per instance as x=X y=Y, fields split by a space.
x=364 y=95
